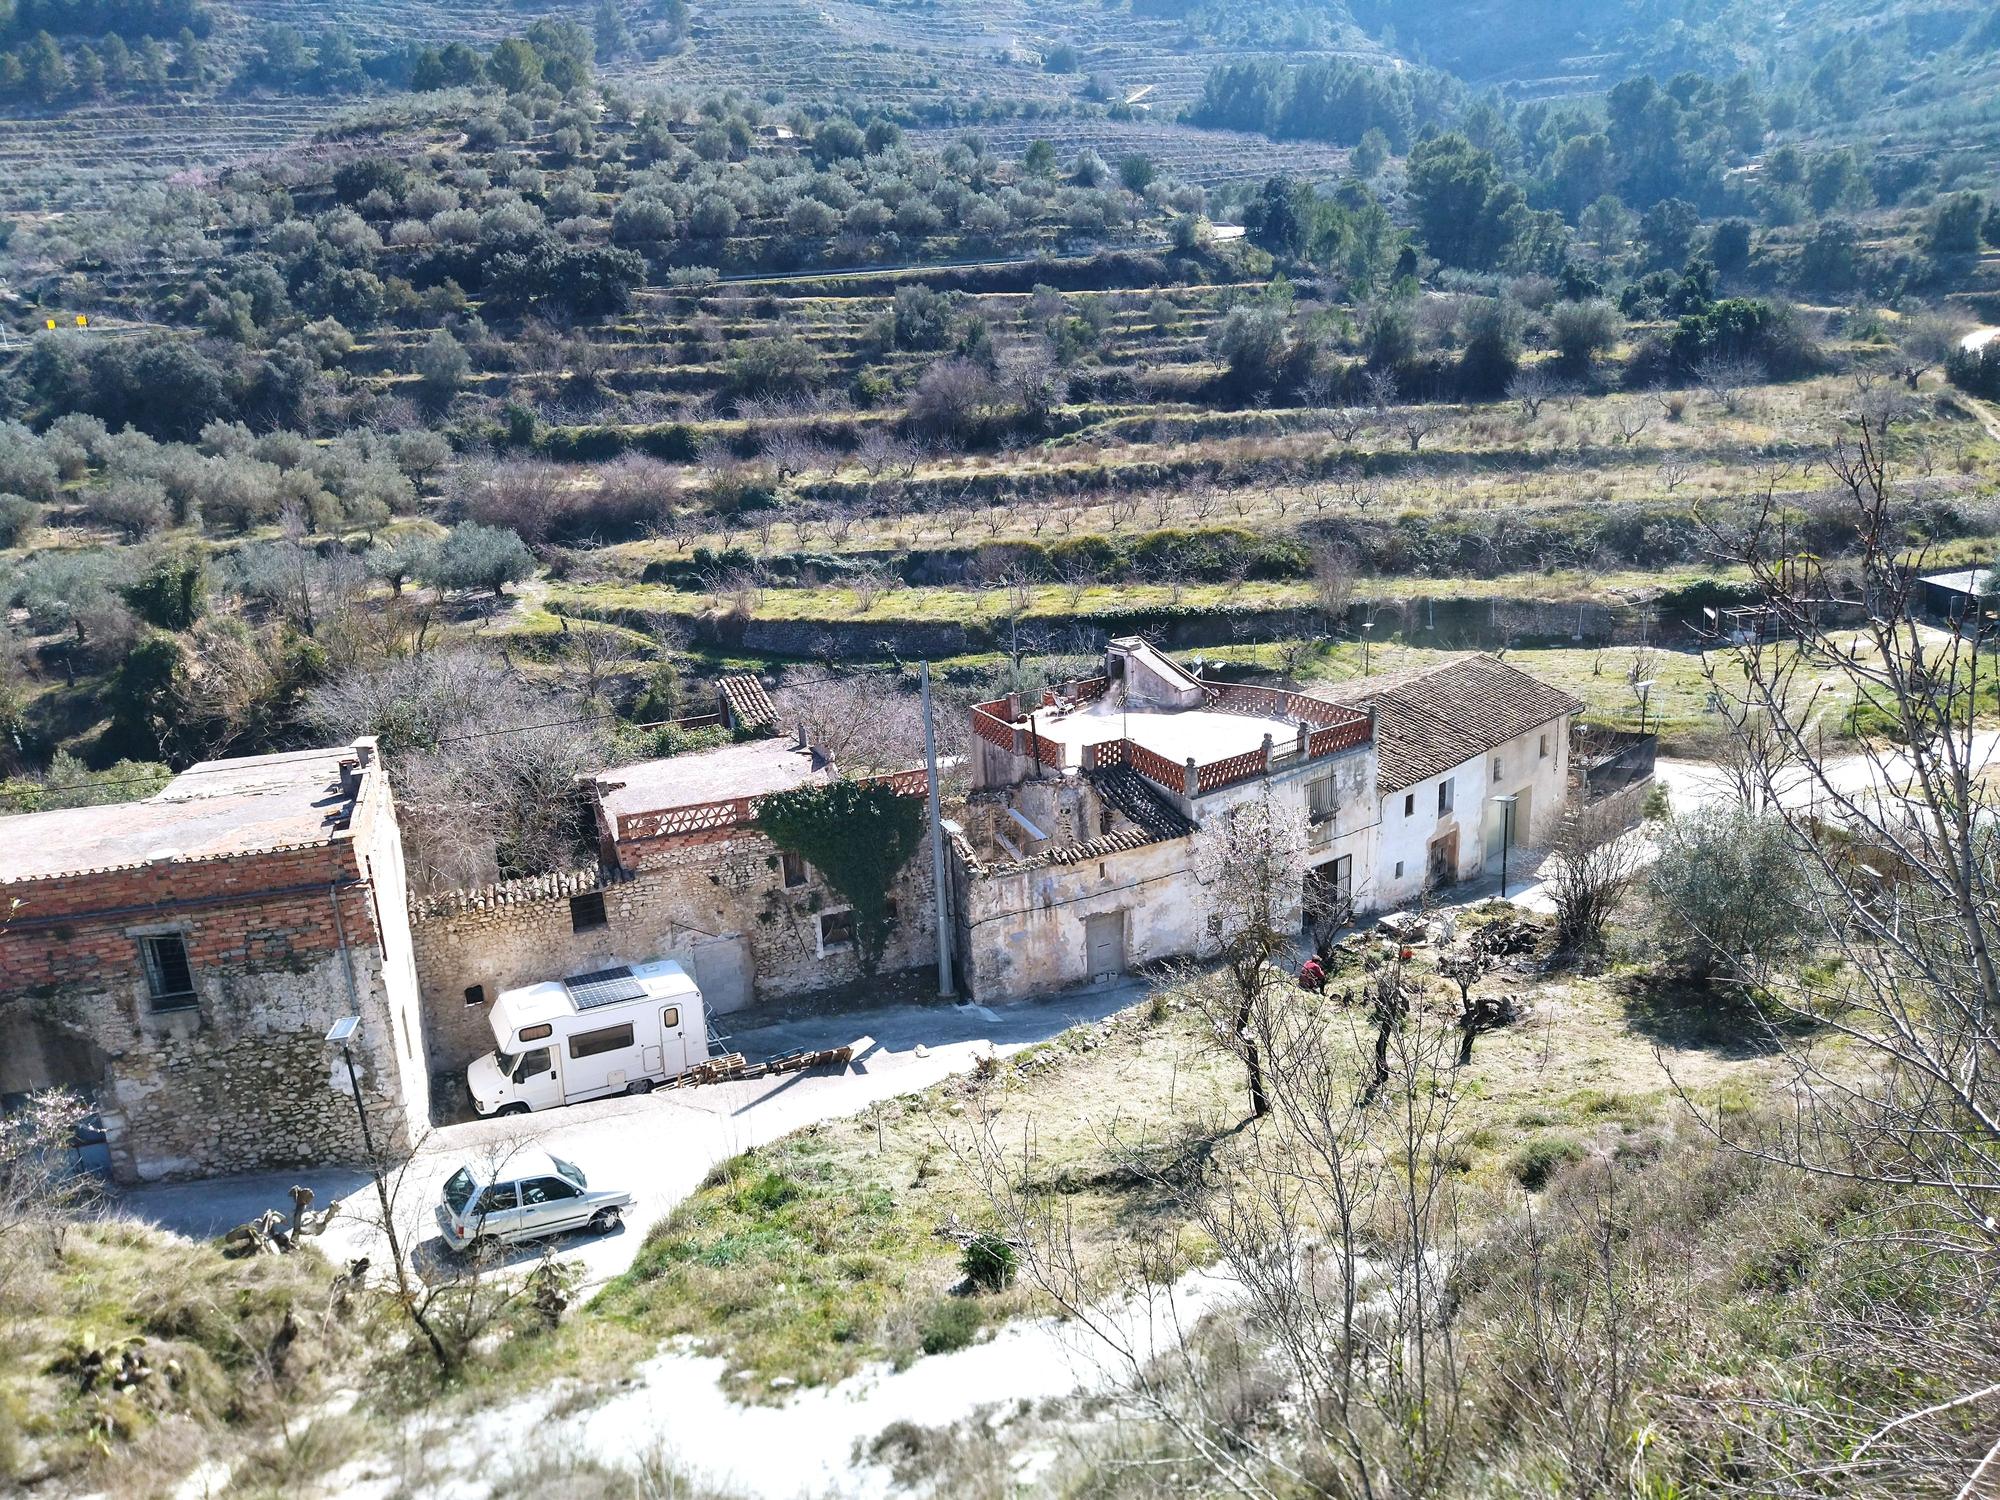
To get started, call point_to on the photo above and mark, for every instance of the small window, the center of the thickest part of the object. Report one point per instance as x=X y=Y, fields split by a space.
x=1320 y=799
x=169 y=979
x=546 y=1190
x=1545 y=747
x=670 y=1018
x=586 y=913
x=475 y=994
x=1399 y=869
x=836 y=931
x=593 y=1043
x=794 y=869
x=501 y=1198
x=1409 y=804
x=1444 y=797
x=1496 y=768
x=536 y=1033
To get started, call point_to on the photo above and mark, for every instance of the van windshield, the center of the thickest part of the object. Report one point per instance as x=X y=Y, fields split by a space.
x=458 y=1190
x=572 y=1173
x=505 y=1061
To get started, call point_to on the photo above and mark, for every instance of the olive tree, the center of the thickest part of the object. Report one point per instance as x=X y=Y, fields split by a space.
x=472 y=556
x=1730 y=892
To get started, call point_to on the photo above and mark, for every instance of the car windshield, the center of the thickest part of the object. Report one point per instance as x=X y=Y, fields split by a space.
x=458 y=1190
x=570 y=1173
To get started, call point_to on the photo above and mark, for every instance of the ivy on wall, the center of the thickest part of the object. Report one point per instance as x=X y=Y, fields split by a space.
x=858 y=836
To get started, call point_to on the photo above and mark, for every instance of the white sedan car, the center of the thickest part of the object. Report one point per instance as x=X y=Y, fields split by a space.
x=529 y=1196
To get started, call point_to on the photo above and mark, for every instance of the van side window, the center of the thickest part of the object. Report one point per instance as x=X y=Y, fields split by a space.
x=534 y=1064
x=670 y=1018
x=591 y=1043
x=498 y=1199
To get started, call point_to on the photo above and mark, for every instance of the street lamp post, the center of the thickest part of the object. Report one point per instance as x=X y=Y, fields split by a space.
x=1506 y=803
x=1366 y=627
x=1645 y=692
x=342 y=1036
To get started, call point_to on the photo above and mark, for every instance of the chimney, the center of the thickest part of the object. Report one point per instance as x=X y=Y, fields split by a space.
x=804 y=741
x=1269 y=747
x=367 y=750
x=1305 y=736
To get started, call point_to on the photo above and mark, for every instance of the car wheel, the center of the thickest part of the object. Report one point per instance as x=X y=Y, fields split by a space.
x=481 y=1249
x=639 y=1086
x=604 y=1221
x=516 y=1108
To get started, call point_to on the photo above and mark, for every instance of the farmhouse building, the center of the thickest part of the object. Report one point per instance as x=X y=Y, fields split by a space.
x=1079 y=856
x=1469 y=754
x=178 y=960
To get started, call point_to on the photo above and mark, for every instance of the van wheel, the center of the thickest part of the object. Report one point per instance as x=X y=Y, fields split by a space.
x=516 y=1108
x=604 y=1221
x=639 y=1086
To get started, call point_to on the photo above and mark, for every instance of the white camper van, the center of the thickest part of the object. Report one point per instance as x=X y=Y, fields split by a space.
x=615 y=1031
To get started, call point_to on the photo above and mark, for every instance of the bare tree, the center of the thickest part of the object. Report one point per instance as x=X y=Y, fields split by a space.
x=1337 y=1216
x=1631 y=420
x=1675 y=470
x=1250 y=869
x=864 y=720
x=1896 y=1075
x=1334 y=577
x=1416 y=423
x=1591 y=864
x=1530 y=388
x=1724 y=380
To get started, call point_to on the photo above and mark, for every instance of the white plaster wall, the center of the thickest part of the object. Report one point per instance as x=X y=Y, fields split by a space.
x=1023 y=930
x=1523 y=768
x=379 y=849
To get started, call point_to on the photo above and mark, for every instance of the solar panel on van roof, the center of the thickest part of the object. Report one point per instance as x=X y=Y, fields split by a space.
x=603 y=987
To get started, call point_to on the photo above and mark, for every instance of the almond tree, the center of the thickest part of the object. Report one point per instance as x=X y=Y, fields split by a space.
x=1893 y=1054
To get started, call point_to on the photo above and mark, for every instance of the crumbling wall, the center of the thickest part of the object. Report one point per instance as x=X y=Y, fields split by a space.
x=719 y=907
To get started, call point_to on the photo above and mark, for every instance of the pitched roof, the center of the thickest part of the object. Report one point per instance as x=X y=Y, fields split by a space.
x=1434 y=718
x=746 y=703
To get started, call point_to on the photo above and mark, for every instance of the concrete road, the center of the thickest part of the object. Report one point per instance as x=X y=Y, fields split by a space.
x=657 y=1146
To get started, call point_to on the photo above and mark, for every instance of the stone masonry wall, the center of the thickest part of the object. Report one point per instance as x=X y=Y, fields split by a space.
x=242 y=1079
x=718 y=906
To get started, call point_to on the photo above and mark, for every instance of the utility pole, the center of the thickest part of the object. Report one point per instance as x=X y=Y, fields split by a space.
x=937 y=838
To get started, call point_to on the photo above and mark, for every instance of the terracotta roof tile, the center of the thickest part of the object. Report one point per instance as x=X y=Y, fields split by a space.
x=1434 y=718
x=746 y=703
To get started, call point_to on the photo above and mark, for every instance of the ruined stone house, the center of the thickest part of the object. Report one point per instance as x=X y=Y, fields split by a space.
x=682 y=873
x=179 y=960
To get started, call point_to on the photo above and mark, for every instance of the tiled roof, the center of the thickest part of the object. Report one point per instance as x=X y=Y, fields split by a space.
x=1434 y=718
x=746 y=703
x=1130 y=793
